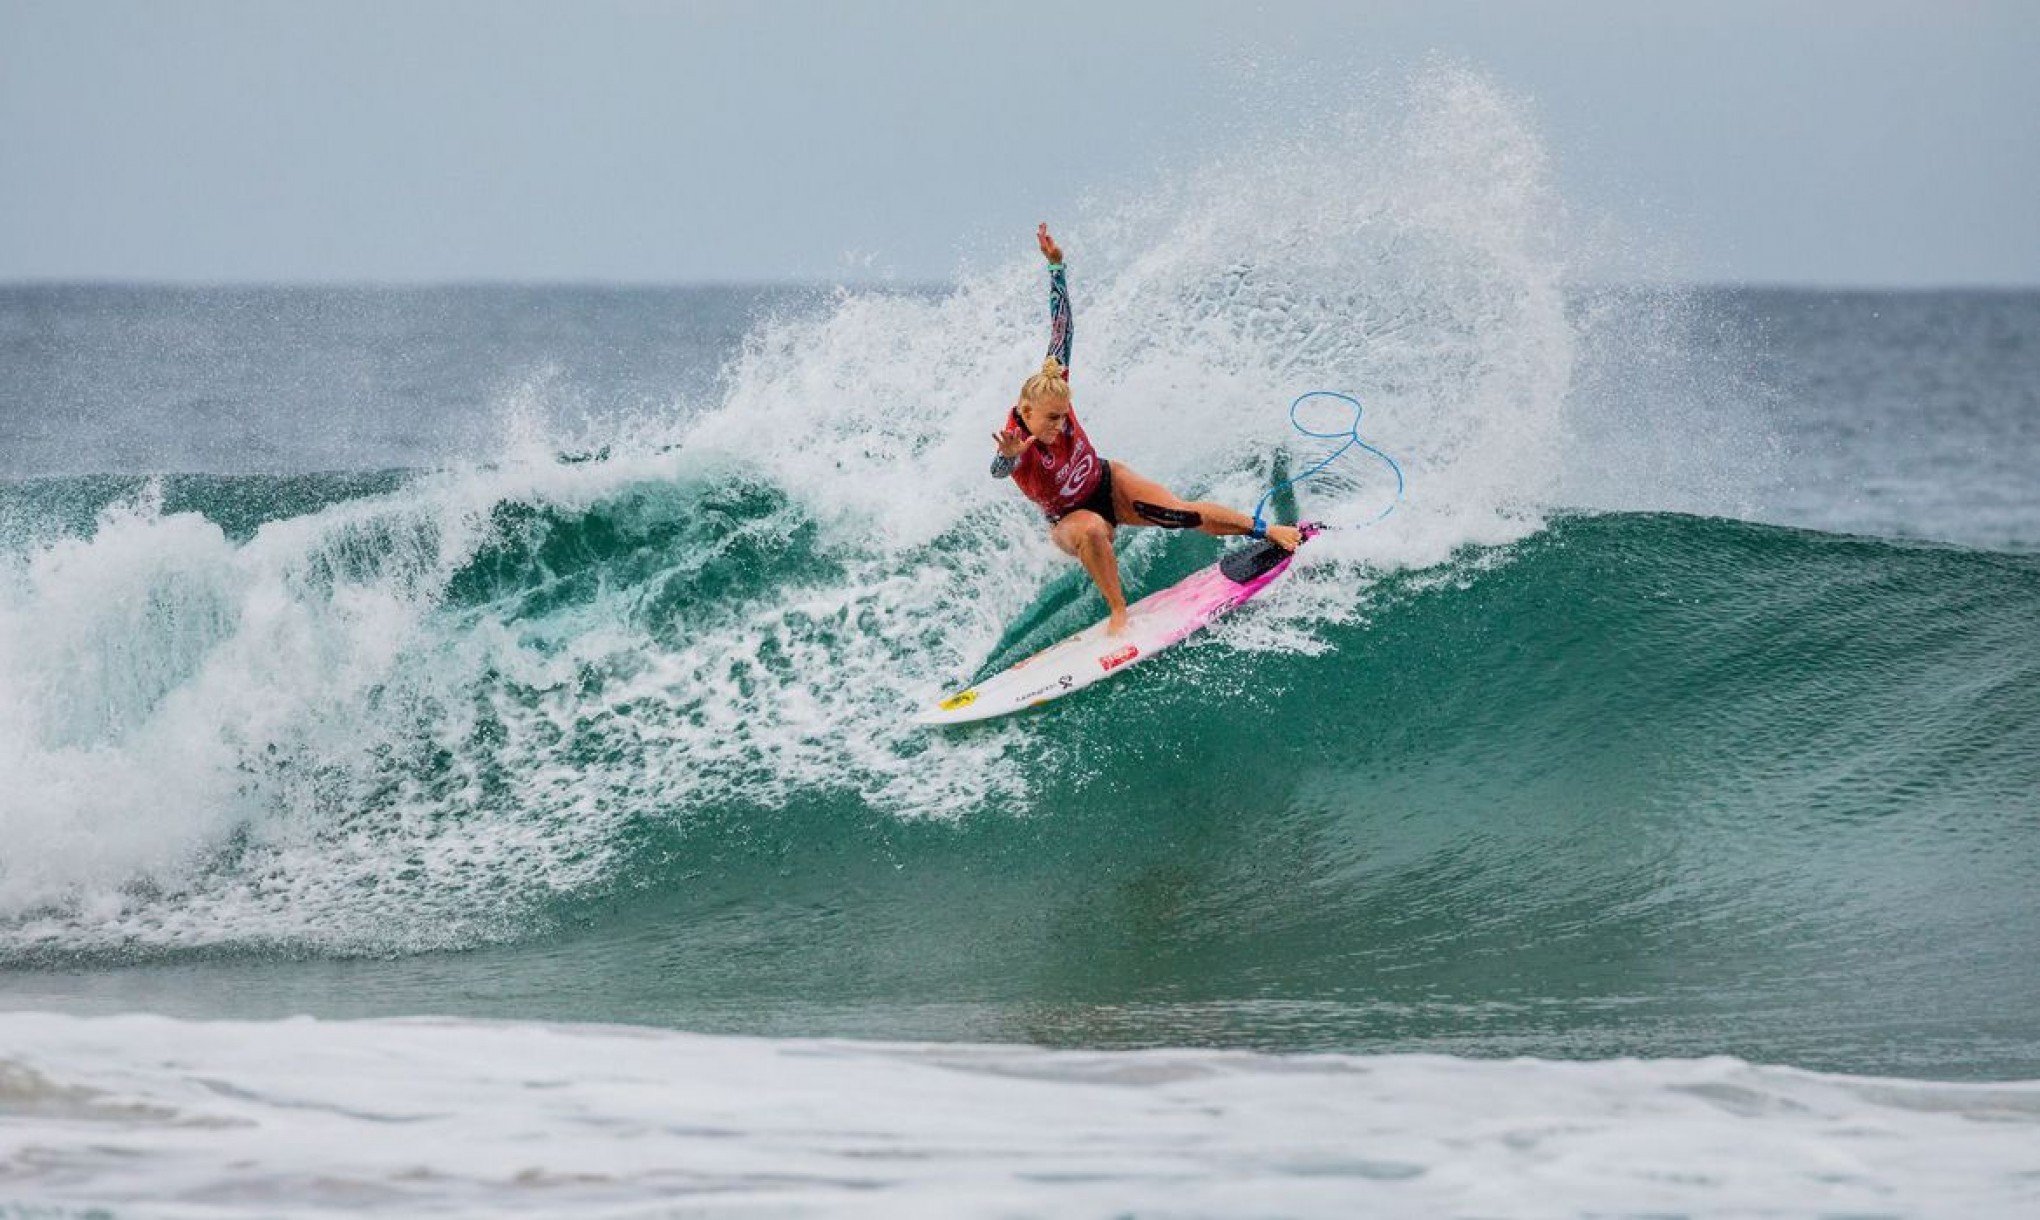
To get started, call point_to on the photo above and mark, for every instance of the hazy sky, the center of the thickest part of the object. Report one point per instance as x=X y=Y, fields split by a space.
x=1883 y=142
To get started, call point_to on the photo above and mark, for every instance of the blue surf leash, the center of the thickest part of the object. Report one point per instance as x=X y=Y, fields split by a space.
x=1350 y=435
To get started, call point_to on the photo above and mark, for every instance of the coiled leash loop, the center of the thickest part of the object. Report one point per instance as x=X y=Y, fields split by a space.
x=1351 y=436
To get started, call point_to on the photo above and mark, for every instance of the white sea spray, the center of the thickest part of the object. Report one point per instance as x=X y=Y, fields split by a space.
x=324 y=737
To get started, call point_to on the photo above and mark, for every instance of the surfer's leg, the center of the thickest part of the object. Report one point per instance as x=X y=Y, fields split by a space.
x=1087 y=536
x=1140 y=500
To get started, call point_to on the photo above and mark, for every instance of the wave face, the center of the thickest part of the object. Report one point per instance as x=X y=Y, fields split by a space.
x=631 y=725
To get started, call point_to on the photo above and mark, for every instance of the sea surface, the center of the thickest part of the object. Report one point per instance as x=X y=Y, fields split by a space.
x=1643 y=817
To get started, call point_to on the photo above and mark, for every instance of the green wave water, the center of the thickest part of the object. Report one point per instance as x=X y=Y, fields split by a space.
x=1636 y=784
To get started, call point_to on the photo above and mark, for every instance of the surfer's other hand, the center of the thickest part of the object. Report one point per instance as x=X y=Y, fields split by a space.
x=1011 y=441
x=1049 y=250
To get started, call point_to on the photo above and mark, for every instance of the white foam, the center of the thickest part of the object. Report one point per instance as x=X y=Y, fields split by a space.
x=151 y=1116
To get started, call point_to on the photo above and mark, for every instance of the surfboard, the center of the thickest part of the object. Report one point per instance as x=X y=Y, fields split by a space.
x=1090 y=656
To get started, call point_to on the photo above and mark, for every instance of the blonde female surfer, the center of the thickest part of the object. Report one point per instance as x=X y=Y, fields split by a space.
x=1085 y=497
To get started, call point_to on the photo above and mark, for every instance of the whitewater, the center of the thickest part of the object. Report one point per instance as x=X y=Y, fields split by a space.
x=472 y=724
x=456 y=1118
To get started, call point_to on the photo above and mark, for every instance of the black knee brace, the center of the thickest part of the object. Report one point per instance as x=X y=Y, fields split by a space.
x=1168 y=518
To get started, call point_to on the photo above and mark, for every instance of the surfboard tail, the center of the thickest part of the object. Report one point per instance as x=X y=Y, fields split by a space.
x=1249 y=564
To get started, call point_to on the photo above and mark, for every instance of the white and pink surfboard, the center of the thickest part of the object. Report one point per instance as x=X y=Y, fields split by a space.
x=1153 y=623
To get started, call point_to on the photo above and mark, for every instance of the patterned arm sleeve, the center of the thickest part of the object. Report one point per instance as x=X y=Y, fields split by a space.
x=1061 y=325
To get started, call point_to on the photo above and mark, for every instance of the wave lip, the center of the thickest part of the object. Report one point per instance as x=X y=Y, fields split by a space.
x=465 y=1118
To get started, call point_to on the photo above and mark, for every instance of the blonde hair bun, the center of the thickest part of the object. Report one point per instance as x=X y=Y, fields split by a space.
x=1053 y=381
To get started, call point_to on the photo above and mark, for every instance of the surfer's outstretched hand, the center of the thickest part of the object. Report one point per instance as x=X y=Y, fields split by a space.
x=1011 y=441
x=1049 y=250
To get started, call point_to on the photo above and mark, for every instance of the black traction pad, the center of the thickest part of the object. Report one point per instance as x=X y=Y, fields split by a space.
x=1250 y=563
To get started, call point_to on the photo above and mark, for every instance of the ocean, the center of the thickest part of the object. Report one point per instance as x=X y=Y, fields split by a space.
x=455 y=756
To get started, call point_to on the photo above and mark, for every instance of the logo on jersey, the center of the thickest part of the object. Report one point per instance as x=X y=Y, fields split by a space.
x=1079 y=473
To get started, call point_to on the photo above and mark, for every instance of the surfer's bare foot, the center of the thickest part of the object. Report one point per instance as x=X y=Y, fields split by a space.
x=1288 y=537
x=1116 y=625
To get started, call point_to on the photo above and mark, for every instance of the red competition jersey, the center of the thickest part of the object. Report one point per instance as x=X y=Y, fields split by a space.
x=1058 y=474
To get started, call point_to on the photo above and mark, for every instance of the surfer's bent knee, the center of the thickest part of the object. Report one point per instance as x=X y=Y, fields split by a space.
x=1074 y=532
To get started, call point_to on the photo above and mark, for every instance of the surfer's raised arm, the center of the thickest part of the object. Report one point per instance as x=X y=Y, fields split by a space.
x=1013 y=441
x=1061 y=324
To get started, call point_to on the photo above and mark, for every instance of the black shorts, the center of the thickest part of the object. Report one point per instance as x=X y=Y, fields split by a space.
x=1099 y=501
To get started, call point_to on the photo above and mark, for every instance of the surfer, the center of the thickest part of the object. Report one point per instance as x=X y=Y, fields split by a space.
x=1085 y=497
